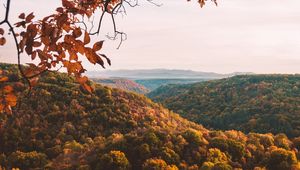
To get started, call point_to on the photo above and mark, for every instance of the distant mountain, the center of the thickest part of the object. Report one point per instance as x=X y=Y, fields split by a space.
x=122 y=83
x=250 y=103
x=154 y=78
x=159 y=74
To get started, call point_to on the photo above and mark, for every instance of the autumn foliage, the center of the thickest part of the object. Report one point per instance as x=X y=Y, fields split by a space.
x=250 y=103
x=62 y=126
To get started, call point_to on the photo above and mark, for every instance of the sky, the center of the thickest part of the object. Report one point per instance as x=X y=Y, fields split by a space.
x=260 y=36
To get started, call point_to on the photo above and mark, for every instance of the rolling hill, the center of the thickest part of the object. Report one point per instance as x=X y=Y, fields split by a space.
x=61 y=126
x=122 y=83
x=253 y=103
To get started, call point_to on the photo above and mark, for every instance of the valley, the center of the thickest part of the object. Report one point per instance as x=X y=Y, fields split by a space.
x=116 y=129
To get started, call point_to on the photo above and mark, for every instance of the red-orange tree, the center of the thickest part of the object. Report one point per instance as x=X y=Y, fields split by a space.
x=58 y=40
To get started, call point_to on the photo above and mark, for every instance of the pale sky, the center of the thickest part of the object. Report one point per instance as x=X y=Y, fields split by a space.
x=261 y=36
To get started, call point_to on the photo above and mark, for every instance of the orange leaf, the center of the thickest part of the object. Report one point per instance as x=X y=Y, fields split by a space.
x=80 y=48
x=42 y=55
x=87 y=38
x=82 y=80
x=67 y=4
x=28 y=49
x=36 y=44
x=7 y=89
x=73 y=55
x=77 y=32
x=2 y=41
x=61 y=20
x=29 y=17
x=93 y=57
x=45 y=40
x=33 y=55
x=60 y=10
x=22 y=16
x=87 y=87
x=11 y=99
x=98 y=45
x=1 y=31
x=3 y=79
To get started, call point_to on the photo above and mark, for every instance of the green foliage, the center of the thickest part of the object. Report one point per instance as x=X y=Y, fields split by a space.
x=219 y=143
x=236 y=150
x=281 y=159
x=194 y=137
x=73 y=146
x=216 y=156
x=153 y=84
x=114 y=160
x=222 y=166
x=296 y=142
x=157 y=164
x=249 y=103
x=207 y=166
x=27 y=160
x=170 y=156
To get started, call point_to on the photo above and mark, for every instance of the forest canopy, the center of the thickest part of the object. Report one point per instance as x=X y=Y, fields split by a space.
x=250 y=103
x=114 y=129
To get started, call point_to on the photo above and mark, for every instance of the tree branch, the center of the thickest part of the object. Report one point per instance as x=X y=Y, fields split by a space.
x=6 y=13
x=11 y=29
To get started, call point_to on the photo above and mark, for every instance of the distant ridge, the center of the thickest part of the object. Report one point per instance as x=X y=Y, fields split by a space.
x=161 y=73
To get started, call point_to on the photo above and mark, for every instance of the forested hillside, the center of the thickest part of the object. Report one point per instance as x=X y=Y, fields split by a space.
x=61 y=126
x=153 y=84
x=254 y=103
x=122 y=83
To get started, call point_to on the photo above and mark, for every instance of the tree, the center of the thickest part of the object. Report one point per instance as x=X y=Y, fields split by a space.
x=236 y=150
x=207 y=166
x=58 y=40
x=114 y=160
x=154 y=164
x=281 y=159
x=27 y=160
x=222 y=166
x=216 y=156
x=157 y=164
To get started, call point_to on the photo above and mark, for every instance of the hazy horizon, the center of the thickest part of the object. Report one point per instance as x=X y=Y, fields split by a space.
x=165 y=69
x=237 y=36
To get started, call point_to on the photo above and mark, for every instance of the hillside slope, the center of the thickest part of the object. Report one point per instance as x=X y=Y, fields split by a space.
x=122 y=83
x=255 y=103
x=153 y=84
x=60 y=126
